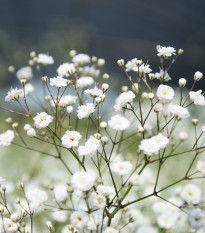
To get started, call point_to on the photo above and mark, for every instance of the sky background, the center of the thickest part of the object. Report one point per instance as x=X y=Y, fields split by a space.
x=109 y=29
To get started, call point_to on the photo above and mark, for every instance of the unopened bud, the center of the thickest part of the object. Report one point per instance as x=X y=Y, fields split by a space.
x=4 y=189
x=72 y=53
x=151 y=76
x=31 y=132
x=45 y=79
x=98 y=100
x=94 y=59
x=138 y=62
x=145 y=95
x=50 y=226
x=97 y=136
x=23 y=82
x=180 y=51
x=47 y=98
x=105 y=76
x=104 y=140
x=9 y=120
x=121 y=62
x=30 y=62
x=21 y=185
x=105 y=87
x=194 y=121
x=70 y=189
x=32 y=54
x=135 y=87
x=151 y=96
x=101 y=62
x=35 y=59
x=197 y=76
x=15 y=125
x=18 y=201
x=69 y=110
x=140 y=129
x=182 y=82
x=124 y=88
x=11 y=69
x=51 y=187
x=158 y=47
x=23 y=213
x=103 y=124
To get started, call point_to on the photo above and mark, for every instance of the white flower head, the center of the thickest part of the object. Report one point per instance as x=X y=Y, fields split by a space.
x=24 y=73
x=118 y=122
x=58 y=82
x=99 y=200
x=90 y=148
x=166 y=51
x=178 y=111
x=149 y=146
x=66 y=69
x=84 y=82
x=144 y=68
x=85 y=111
x=71 y=139
x=197 y=97
x=161 y=140
x=201 y=167
x=95 y=92
x=82 y=181
x=162 y=75
x=110 y=230
x=90 y=71
x=196 y=218
x=6 y=138
x=132 y=65
x=191 y=194
x=13 y=94
x=45 y=59
x=42 y=120
x=122 y=167
x=60 y=192
x=36 y=198
x=124 y=99
x=106 y=190
x=81 y=59
x=165 y=93
x=8 y=225
x=79 y=219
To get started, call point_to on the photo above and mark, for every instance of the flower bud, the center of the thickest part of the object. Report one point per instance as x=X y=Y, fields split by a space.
x=103 y=124
x=47 y=98
x=23 y=212
x=135 y=87
x=105 y=87
x=101 y=62
x=26 y=127
x=151 y=76
x=98 y=100
x=182 y=82
x=69 y=110
x=138 y=62
x=104 y=140
x=140 y=129
x=145 y=95
x=102 y=97
x=30 y=62
x=72 y=53
x=158 y=107
x=45 y=79
x=94 y=59
x=125 y=88
x=4 y=189
x=121 y=62
x=105 y=76
x=32 y=54
x=9 y=120
x=21 y=185
x=51 y=187
x=15 y=217
x=194 y=121
x=183 y=136
x=70 y=189
x=97 y=136
x=180 y=51
x=18 y=201
x=50 y=226
x=1 y=210
x=11 y=69
x=151 y=95
x=35 y=59
x=197 y=76
x=31 y=132
x=23 y=82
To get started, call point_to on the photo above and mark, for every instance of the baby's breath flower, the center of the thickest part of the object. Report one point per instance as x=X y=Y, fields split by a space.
x=201 y=167
x=182 y=82
x=45 y=59
x=165 y=93
x=29 y=88
x=183 y=136
x=81 y=59
x=122 y=167
x=84 y=82
x=85 y=111
x=60 y=192
x=13 y=94
x=101 y=62
x=197 y=97
x=8 y=225
x=166 y=51
x=24 y=73
x=121 y=62
x=42 y=120
x=58 y=82
x=191 y=194
x=31 y=132
x=198 y=76
x=118 y=122
x=82 y=181
x=110 y=230
x=99 y=200
x=66 y=69
x=149 y=146
x=79 y=219
x=178 y=111
x=71 y=139
x=6 y=138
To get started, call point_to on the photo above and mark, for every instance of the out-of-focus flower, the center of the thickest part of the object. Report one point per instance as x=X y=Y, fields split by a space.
x=197 y=97
x=191 y=194
x=13 y=94
x=66 y=69
x=122 y=167
x=84 y=82
x=45 y=59
x=6 y=138
x=24 y=73
x=79 y=219
x=118 y=122
x=58 y=82
x=82 y=181
x=85 y=111
x=81 y=59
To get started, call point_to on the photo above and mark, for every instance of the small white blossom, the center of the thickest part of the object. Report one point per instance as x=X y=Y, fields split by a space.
x=196 y=218
x=64 y=101
x=66 y=69
x=8 y=225
x=45 y=59
x=13 y=94
x=197 y=97
x=84 y=82
x=31 y=132
x=191 y=194
x=122 y=167
x=90 y=148
x=82 y=181
x=162 y=75
x=24 y=73
x=166 y=51
x=95 y=92
x=110 y=230
x=149 y=146
x=60 y=192
x=85 y=111
x=71 y=139
x=6 y=138
x=161 y=140
x=42 y=120
x=124 y=99
x=90 y=71
x=58 y=82
x=201 y=167
x=79 y=219
x=183 y=136
x=165 y=93
x=36 y=198
x=178 y=111
x=99 y=200
x=29 y=88
x=27 y=127
x=144 y=68
x=81 y=59
x=106 y=190
x=118 y=122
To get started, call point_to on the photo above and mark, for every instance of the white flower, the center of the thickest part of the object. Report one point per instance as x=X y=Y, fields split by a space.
x=24 y=73
x=58 y=82
x=27 y=127
x=95 y=92
x=29 y=88
x=167 y=219
x=124 y=99
x=60 y=216
x=165 y=93
x=8 y=225
x=45 y=59
x=178 y=111
x=36 y=198
x=201 y=167
x=191 y=194
x=66 y=69
x=122 y=167
x=145 y=68
x=90 y=71
x=106 y=190
x=64 y=101
x=13 y=94
x=31 y=132
x=203 y=128
x=99 y=200
x=90 y=148
x=6 y=138
x=60 y=192
x=162 y=75
x=147 y=229
x=161 y=140
x=198 y=75
x=42 y=120
x=79 y=219
x=132 y=65
x=118 y=122
x=96 y=221
x=196 y=218
x=197 y=97
x=71 y=139
x=183 y=136
x=84 y=82
x=81 y=59
x=110 y=230
x=134 y=179
x=2 y=180
x=149 y=146
x=166 y=51
x=82 y=181
x=85 y=111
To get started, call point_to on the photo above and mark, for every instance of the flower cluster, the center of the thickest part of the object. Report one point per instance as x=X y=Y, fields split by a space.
x=117 y=165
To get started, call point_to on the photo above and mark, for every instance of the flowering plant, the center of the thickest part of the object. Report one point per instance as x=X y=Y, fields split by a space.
x=115 y=179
